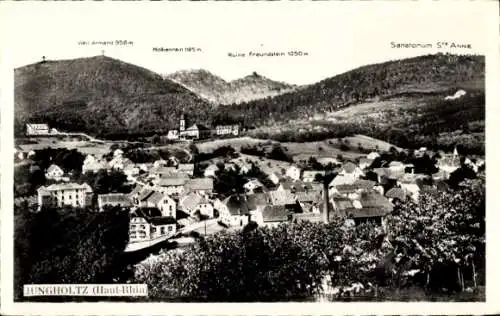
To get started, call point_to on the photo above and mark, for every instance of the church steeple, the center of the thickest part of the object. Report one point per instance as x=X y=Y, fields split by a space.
x=182 y=125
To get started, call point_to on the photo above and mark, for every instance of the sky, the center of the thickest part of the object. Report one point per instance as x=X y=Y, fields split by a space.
x=337 y=36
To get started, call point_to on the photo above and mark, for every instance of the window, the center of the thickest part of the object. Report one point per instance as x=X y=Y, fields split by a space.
x=143 y=227
x=132 y=227
x=153 y=229
x=162 y=230
x=170 y=228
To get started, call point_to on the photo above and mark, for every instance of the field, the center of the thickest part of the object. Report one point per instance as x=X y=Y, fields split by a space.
x=329 y=148
x=85 y=147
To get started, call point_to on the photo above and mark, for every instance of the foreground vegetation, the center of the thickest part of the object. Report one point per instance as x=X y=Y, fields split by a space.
x=437 y=244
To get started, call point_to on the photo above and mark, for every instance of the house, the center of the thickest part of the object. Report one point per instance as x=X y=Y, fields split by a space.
x=310 y=202
x=37 y=129
x=145 y=167
x=275 y=178
x=286 y=198
x=370 y=206
x=92 y=164
x=222 y=130
x=410 y=183
x=131 y=170
x=195 y=131
x=386 y=175
x=373 y=155
x=112 y=200
x=328 y=160
x=170 y=185
x=193 y=203
x=147 y=224
x=311 y=175
x=210 y=171
x=173 y=134
x=364 y=163
x=293 y=172
x=160 y=171
x=160 y=163
x=448 y=163
x=187 y=168
x=397 y=166
x=396 y=193
x=118 y=162
x=199 y=185
x=253 y=185
x=118 y=153
x=233 y=211
x=65 y=194
x=348 y=174
x=274 y=215
x=159 y=200
x=54 y=172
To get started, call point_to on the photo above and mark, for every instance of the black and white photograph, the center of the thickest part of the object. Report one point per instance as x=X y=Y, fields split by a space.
x=301 y=152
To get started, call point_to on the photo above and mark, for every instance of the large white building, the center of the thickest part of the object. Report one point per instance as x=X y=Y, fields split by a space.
x=66 y=194
x=37 y=129
x=221 y=130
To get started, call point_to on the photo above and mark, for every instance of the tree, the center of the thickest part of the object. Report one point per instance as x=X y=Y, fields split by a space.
x=47 y=252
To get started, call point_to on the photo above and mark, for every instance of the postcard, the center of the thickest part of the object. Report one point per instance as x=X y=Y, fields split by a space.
x=249 y=157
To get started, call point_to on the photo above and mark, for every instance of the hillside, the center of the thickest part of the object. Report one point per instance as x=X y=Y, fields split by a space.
x=420 y=75
x=219 y=91
x=102 y=96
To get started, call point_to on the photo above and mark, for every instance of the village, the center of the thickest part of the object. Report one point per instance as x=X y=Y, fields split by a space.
x=168 y=200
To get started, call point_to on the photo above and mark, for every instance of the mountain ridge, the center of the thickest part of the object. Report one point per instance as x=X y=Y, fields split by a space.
x=219 y=91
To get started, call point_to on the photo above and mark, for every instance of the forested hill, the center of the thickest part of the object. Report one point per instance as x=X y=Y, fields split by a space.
x=102 y=96
x=219 y=91
x=438 y=73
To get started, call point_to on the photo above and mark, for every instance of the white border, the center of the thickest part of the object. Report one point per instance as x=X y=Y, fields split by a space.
x=492 y=98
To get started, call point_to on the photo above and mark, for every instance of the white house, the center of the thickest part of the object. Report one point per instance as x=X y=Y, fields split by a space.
x=37 y=129
x=233 y=211
x=161 y=201
x=373 y=155
x=221 y=130
x=347 y=175
x=113 y=199
x=54 y=172
x=92 y=164
x=187 y=168
x=310 y=175
x=293 y=172
x=274 y=215
x=210 y=171
x=193 y=202
x=173 y=134
x=252 y=185
x=171 y=186
x=118 y=153
x=65 y=194
x=147 y=224
x=203 y=186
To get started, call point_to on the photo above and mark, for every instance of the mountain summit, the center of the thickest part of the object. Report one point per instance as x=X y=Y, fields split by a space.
x=219 y=91
x=101 y=95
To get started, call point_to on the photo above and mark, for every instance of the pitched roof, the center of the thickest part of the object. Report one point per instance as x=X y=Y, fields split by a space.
x=186 y=166
x=200 y=184
x=236 y=204
x=191 y=200
x=54 y=168
x=255 y=182
x=275 y=213
x=396 y=164
x=396 y=193
x=364 y=184
x=156 y=197
x=372 y=205
x=67 y=186
x=197 y=127
x=389 y=174
x=146 y=212
x=312 y=173
x=165 y=220
x=137 y=190
x=349 y=167
x=163 y=170
x=145 y=193
x=256 y=200
x=282 y=197
x=166 y=182
x=308 y=196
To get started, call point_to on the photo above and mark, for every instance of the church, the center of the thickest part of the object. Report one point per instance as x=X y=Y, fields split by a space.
x=195 y=131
